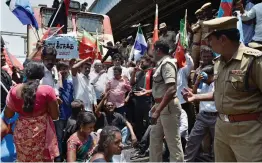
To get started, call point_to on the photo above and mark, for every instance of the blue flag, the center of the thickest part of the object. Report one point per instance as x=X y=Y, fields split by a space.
x=140 y=45
x=23 y=11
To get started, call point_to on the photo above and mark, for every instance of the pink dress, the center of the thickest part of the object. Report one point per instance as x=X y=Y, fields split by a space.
x=34 y=133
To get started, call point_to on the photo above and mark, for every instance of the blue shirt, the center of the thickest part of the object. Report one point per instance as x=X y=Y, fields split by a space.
x=66 y=94
x=8 y=151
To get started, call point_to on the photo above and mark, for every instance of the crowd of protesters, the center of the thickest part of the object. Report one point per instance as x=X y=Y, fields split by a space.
x=84 y=110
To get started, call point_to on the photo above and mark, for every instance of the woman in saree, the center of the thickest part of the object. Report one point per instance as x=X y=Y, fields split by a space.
x=80 y=145
x=37 y=106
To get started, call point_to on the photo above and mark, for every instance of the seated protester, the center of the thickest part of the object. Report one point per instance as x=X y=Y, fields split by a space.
x=66 y=95
x=110 y=117
x=112 y=50
x=118 y=87
x=109 y=145
x=80 y=144
x=83 y=88
x=117 y=61
x=77 y=107
x=206 y=118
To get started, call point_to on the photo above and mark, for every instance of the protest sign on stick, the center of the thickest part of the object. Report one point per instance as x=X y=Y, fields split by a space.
x=66 y=46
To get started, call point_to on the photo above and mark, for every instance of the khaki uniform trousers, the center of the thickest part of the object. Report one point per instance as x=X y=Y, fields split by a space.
x=238 y=141
x=196 y=55
x=168 y=126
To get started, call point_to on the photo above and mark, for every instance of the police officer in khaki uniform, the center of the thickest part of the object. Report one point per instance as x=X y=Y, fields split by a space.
x=196 y=29
x=168 y=36
x=238 y=94
x=166 y=111
x=207 y=15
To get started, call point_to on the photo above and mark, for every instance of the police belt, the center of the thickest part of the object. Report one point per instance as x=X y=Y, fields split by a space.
x=158 y=100
x=196 y=43
x=241 y=117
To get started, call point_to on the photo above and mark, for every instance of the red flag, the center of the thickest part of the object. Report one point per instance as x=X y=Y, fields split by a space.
x=67 y=3
x=11 y=61
x=88 y=39
x=155 y=34
x=180 y=55
x=89 y=47
x=86 y=51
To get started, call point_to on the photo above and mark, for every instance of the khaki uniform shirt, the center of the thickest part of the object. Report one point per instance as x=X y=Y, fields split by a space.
x=165 y=73
x=231 y=95
x=204 y=32
x=196 y=28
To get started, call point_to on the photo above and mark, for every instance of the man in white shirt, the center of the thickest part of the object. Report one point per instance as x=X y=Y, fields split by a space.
x=182 y=77
x=98 y=78
x=49 y=60
x=182 y=82
x=117 y=60
x=83 y=88
x=206 y=118
x=255 y=12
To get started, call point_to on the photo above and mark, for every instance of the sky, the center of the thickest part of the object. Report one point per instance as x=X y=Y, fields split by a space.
x=10 y=23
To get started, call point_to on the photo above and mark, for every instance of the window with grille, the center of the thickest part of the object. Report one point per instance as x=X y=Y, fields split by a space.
x=90 y=23
x=46 y=15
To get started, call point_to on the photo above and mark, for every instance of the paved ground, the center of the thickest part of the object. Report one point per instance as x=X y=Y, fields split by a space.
x=128 y=155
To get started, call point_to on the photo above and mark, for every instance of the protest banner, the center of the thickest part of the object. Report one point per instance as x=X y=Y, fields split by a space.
x=65 y=45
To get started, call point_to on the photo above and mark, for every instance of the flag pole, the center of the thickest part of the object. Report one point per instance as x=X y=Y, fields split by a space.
x=38 y=38
x=38 y=35
x=56 y=13
x=155 y=32
x=96 y=42
x=55 y=32
x=185 y=30
x=133 y=55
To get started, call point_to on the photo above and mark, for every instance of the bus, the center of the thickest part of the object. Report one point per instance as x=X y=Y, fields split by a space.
x=78 y=21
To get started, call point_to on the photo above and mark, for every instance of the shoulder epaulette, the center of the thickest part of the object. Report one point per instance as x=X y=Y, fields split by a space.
x=215 y=59
x=253 y=52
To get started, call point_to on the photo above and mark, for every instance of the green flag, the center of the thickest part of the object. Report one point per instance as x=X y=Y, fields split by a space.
x=183 y=32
